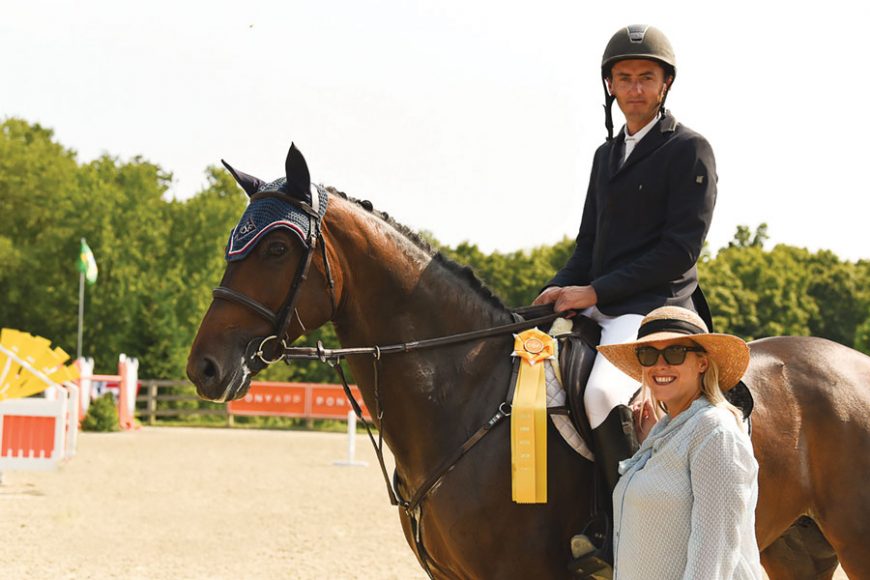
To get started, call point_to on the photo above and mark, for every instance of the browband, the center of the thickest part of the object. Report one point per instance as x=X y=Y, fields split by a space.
x=669 y=325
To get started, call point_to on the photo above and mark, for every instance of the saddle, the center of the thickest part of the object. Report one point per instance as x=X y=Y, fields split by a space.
x=576 y=356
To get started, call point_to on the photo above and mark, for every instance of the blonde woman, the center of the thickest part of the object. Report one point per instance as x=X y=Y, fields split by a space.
x=684 y=506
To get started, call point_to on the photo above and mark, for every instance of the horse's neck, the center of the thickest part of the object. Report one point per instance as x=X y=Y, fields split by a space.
x=394 y=292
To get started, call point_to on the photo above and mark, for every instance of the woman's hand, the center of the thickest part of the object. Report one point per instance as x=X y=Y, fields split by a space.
x=644 y=418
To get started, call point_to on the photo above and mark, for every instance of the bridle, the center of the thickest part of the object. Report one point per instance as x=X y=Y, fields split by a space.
x=283 y=318
x=256 y=350
x=257 y=358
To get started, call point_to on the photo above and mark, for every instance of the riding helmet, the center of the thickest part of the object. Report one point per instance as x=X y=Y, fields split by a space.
x=635 y=41
x=639 y=41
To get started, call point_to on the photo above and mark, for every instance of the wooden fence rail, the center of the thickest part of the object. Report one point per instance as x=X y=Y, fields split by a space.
x=307 y=401
x=153 y=391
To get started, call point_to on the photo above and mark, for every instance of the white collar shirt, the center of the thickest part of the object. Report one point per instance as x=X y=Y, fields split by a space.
x=632 y=140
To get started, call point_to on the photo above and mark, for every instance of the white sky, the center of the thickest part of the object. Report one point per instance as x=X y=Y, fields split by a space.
x=473 y=120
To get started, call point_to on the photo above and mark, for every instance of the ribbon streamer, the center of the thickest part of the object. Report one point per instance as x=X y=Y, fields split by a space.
x=529 y=417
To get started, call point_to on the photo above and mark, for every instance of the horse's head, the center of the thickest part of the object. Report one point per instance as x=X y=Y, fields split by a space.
x=263 y=300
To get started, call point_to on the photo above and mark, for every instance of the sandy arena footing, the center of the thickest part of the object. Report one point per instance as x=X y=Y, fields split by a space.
x=183 y=503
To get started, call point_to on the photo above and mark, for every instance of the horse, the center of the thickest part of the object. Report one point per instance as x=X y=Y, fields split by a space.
x=380 y=284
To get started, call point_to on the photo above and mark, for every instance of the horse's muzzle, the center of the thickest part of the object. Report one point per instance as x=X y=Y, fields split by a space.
x=217 y=382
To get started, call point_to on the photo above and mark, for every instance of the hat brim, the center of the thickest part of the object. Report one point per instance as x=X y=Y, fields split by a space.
x=730 y=353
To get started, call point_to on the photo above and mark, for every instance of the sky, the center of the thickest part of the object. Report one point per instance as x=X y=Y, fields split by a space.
x=473 y=120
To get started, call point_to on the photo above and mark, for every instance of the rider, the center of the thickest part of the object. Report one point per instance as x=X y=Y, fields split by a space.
x=648 y=209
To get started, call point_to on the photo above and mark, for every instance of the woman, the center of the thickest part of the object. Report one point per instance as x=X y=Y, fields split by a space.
x=685 y=504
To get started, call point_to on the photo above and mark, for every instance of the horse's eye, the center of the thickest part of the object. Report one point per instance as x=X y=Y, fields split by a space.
x=277 y=249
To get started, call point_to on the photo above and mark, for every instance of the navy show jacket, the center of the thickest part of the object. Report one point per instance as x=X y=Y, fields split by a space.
x=644 y=223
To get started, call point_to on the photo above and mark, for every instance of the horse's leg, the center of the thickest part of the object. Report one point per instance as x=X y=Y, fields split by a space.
x=802 y=553
x=837 y=435
x=784 y=483
x=842 y=500
x=850 y=543
x=814 y=443
x=784 y=489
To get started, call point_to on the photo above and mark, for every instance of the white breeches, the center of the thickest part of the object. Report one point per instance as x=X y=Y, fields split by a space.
x=608 y=386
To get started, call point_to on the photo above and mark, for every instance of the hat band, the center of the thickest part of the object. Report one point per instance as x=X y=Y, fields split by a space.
x=669 y=325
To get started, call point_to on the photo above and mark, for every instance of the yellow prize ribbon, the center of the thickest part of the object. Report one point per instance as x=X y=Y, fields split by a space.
x=529 y=417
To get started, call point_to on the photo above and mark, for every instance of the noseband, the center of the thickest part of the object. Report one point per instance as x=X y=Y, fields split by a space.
x=255 y=352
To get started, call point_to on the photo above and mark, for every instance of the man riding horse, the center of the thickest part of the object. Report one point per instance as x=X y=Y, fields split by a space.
x=648 y=209
x=306 y=255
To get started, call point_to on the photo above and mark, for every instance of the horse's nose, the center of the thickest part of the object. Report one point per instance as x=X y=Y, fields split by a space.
x=205 y=373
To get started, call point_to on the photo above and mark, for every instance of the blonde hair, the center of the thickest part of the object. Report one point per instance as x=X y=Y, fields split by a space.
x=709 y=388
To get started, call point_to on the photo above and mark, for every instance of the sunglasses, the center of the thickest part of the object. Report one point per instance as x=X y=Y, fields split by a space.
x=674 y=354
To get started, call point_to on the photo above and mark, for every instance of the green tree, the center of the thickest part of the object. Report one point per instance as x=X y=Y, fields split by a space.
x=785 y=291
x=835 y=288
x=193 y=264
x=516 y=277
x=862 y=330
x=37 y=189
x=745 y=238
x=160 y=258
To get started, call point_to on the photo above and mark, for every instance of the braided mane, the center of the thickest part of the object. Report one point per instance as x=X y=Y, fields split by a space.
x=464 y=273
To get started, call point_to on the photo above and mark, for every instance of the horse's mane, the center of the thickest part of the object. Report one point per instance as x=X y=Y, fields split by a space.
x=464 y=273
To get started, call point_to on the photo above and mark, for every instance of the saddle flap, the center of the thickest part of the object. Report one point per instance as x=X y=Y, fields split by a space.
x=576 y=357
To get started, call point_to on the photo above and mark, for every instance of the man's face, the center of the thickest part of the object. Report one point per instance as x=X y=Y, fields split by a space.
x=639 y=87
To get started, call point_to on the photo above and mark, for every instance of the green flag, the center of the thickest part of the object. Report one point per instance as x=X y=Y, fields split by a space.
x=87 y=263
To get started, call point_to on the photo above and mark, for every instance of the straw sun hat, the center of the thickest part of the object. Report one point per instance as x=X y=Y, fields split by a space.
x=670 y=323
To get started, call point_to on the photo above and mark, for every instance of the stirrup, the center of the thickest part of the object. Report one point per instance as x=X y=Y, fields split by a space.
x=587 y=562
x=590 y=555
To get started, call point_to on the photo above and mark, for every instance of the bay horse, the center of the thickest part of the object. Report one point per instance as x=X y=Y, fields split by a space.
x=380 y=284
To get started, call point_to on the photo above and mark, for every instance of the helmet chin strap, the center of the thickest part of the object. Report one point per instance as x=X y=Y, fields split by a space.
x=608 y=108
x=662 y=109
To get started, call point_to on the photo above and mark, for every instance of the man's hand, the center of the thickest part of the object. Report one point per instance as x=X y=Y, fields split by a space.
x=575 y=298
x=548 y=296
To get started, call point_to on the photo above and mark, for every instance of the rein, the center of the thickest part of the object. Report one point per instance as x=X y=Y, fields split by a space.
x=258 y=358
x=328 y=355
x=413 y=505
x=333 y=358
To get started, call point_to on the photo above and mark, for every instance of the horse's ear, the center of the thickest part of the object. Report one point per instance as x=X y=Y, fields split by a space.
x=248 y=182
x=298 y=178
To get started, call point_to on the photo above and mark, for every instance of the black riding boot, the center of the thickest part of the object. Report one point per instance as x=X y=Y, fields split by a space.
x=613 y=441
